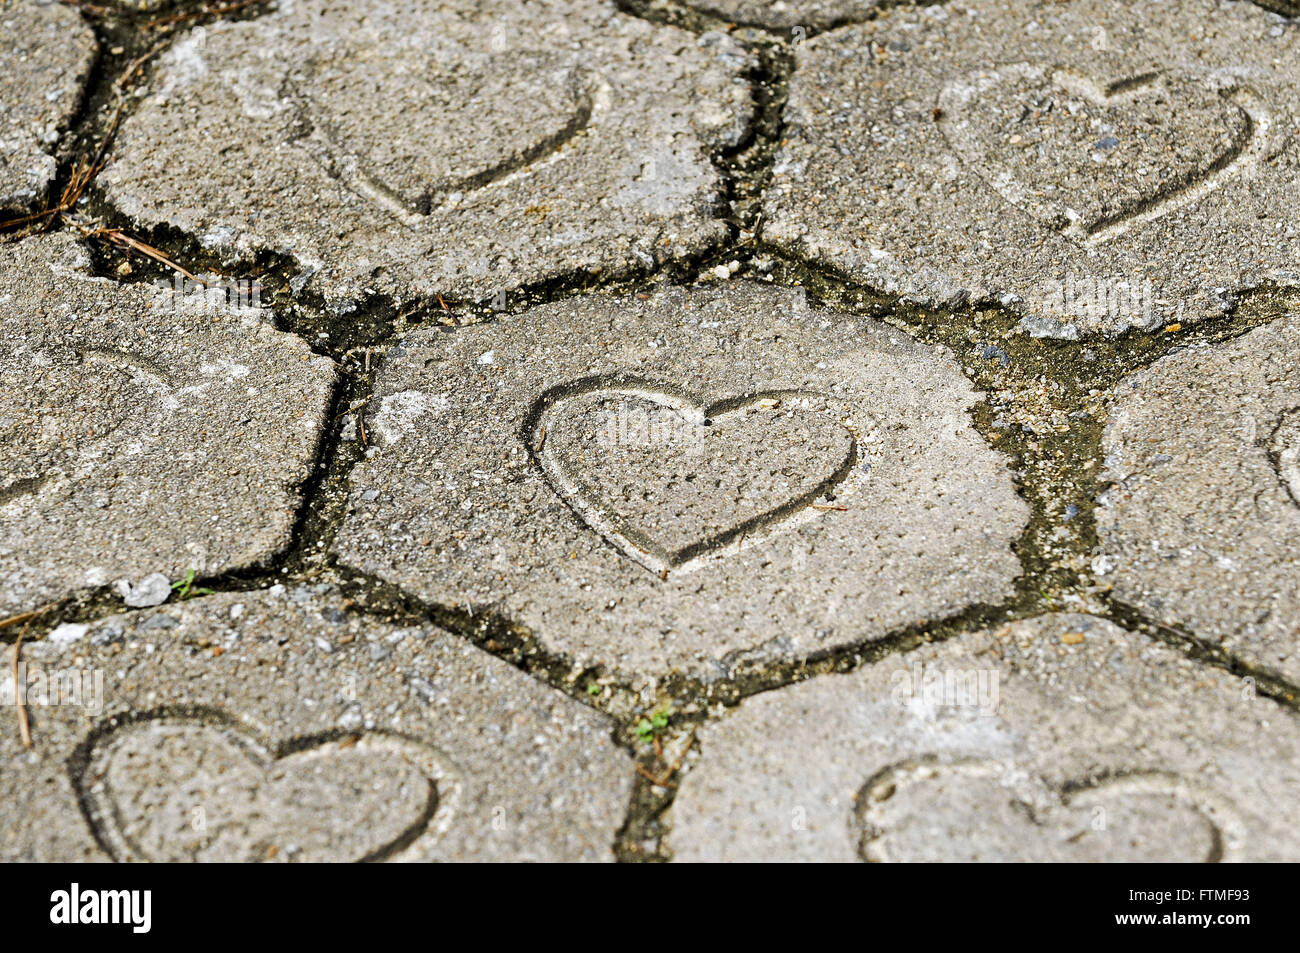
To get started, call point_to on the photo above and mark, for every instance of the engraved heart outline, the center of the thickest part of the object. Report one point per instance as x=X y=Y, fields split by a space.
x=869 y=832
x=588 y=98
x=1259 y=142
x=630 y=541
x=91 y=759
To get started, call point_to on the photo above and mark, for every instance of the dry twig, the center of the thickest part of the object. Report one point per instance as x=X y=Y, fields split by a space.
x=119 y=237
x=26 y=616
x=664 y=780
x=89 y=9
x=24 y=729
x=198 y=14
x=84 y=172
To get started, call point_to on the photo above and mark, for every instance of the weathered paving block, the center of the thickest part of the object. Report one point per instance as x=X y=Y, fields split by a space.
x=1200 y=528
x=809 y=14
x=702 y=480
x=1096 y=166
x=1062 y=738
x=47 y=51
x=462 y=148
x=140 y=431
x=276 y=726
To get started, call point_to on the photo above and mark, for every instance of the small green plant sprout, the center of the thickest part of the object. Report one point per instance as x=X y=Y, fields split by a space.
x=594 y=689
x=185 y=588
x=649 y=730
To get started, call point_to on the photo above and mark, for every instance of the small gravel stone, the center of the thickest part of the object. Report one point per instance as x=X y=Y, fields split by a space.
x=152 y=590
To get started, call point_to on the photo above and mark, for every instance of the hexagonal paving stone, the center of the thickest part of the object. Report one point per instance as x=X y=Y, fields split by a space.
x=276 y=726
x=48 y=51
x=461 y=148
x=1202 y=527
x=1063 y=738
x=702 y=479
x=1096 y=166
x=141 y=432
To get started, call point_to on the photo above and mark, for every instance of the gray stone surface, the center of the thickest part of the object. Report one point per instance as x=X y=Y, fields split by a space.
x=461 y=148
x=809 y=14
x=277 y=726
x=1096 y=166
x=1201 y=528
x=692 y=479
x=1062 y=738
x=47 y=51
x=141 y=432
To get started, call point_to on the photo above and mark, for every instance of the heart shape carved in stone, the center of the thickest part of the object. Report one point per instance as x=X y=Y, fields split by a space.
x=413 y=128
x=184 y=788
x=1089 y=158
x=670 y=481
x=972 y=811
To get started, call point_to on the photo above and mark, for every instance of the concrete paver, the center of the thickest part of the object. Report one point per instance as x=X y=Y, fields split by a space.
x=1061 y=738
x=698 y=480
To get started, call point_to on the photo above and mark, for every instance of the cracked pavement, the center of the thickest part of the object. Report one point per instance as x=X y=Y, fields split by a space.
x=650 y=430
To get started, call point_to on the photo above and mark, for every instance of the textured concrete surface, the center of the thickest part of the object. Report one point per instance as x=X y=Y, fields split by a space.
x=1063 y=738
x=461 y=149
x=1096 y=166
x=276 y=726
x=429 y=598
x=140 y=432
x=698 y=479
x=47 y=51
x=1200 y=528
